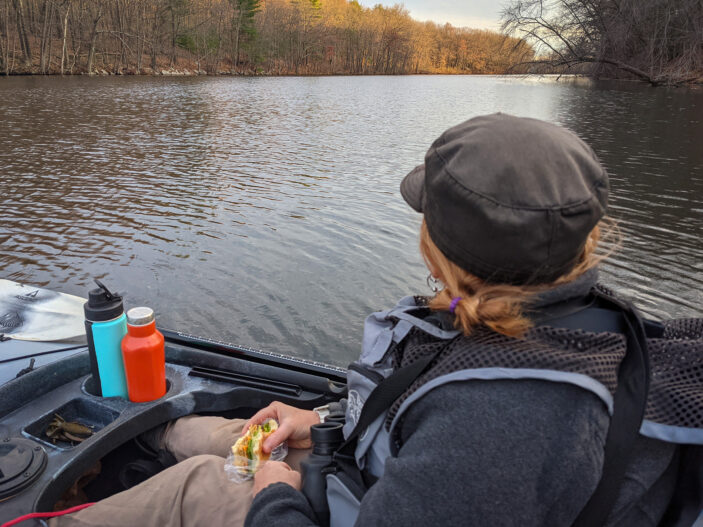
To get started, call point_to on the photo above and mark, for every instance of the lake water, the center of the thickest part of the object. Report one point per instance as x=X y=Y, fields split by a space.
x=266 y=211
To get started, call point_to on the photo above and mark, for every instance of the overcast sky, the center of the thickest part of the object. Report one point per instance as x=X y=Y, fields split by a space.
x=479 y=14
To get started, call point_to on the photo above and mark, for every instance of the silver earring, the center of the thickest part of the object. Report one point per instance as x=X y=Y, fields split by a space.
x=433 y=283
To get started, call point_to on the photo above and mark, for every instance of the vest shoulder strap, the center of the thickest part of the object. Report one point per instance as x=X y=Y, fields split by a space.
x=630 y=403
x=378 y=402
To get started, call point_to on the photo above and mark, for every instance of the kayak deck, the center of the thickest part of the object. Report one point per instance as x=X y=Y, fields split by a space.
x=224 y=381
x=17 y=355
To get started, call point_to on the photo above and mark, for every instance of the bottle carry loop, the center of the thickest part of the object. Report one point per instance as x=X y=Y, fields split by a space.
x=630 y=402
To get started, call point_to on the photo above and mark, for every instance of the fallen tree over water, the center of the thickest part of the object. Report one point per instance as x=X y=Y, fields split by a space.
x=657 y=41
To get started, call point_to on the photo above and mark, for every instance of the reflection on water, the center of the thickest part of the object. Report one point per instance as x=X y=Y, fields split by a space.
x=650 y=142
x=267 y=212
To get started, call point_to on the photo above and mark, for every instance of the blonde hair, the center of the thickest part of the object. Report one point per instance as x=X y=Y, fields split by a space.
x=498 y=306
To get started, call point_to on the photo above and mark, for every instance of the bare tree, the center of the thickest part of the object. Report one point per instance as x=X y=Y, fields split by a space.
x=94 y=37
x=22 y=31
x=658 y=41
x=65 y=30
x=4 y=37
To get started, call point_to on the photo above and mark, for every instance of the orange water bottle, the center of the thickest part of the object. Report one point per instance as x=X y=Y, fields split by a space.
x=144 y=356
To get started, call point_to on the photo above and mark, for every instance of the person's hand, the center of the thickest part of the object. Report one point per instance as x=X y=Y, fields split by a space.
x=276 y=472
x=293 y=425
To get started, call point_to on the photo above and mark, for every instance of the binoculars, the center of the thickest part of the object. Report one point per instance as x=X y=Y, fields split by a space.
x=326 y=438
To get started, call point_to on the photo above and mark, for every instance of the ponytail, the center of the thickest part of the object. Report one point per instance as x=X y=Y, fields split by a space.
x=500 y=307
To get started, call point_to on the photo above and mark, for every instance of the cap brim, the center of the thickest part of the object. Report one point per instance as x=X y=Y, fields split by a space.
x=412 y=188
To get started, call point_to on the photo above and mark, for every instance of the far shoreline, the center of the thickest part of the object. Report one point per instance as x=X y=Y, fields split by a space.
x=178 y=73
x=191 y=73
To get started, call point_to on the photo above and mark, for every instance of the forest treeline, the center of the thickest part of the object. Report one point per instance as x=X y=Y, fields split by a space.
x=241 y=36
x=658 y=41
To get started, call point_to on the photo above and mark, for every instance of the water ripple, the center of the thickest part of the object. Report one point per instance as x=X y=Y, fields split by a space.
x=267 y=211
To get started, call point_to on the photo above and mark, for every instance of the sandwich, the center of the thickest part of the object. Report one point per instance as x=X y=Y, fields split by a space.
x=248 y=453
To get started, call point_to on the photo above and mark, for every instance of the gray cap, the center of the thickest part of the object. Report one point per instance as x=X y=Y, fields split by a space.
x=509 y=199
x=140 y=316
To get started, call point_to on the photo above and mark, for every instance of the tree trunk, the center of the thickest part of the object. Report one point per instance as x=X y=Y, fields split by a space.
x=621 y=65
x=2 y=54
x=44 y=33
x=76 y=43
x=140 y=52
x=237 y=31
x=173 y=36
x=153 y=53
x=5 y=48
x=140 y=41
x=122 y=58
x=65 y=30
x=22 y=33
x=50 y=39
x=93 y=39
x=14 y=45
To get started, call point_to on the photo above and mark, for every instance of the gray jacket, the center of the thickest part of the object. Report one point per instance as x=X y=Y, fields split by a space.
x=499 y=452
x=528 y=453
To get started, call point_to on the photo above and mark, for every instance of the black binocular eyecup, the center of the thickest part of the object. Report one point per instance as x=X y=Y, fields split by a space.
x=326 y=437
x=336 y=418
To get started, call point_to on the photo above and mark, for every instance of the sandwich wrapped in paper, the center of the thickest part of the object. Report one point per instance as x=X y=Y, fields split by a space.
x=247 y=454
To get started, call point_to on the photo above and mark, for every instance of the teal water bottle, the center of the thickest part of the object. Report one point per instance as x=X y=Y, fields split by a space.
x=105 y=326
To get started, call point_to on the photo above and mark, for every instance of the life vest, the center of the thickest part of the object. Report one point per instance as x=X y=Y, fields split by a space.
x=556 y=354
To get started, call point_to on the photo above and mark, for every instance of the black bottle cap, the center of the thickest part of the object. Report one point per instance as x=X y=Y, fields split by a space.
x=102 y=304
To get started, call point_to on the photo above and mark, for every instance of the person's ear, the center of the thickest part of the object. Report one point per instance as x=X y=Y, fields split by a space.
x=435 y=272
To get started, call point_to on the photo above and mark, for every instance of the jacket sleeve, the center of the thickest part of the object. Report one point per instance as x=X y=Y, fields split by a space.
x=492 y=453
x=477 y=453
x=280 y=505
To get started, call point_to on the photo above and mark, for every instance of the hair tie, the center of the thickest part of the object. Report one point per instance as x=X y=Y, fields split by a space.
x=455 y=301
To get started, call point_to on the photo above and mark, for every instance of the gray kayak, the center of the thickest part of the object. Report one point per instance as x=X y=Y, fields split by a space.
x=40 y=380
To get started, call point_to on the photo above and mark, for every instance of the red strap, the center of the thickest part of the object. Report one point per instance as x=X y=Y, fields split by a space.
x=33 y=515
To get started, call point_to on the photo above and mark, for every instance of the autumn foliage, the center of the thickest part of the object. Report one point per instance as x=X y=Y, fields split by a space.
x=308 y=37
